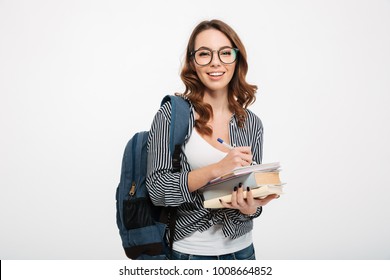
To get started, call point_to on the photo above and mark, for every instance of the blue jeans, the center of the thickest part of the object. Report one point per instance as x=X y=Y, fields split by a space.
x=245 y=254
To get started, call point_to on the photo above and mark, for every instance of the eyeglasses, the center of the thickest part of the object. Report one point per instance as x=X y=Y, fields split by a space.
x=204 y=56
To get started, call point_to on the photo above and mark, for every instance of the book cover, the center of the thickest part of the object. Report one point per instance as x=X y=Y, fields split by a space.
x=274 y=166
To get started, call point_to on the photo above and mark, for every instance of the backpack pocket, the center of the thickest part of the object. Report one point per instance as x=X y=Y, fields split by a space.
x=137 y=213
x=146 y=243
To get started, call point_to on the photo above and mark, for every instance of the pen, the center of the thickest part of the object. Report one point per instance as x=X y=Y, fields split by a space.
x=230 y=147
x=225 y=144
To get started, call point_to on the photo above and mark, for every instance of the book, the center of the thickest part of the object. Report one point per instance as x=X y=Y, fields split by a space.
x=252 y=180
x=259 y=192
x=263 y=179
x=274 y=166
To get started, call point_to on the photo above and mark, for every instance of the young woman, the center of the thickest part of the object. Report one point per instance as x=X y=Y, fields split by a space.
x=214 y=74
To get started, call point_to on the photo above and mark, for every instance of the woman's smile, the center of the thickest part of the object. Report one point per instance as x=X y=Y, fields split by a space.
x=215 y=75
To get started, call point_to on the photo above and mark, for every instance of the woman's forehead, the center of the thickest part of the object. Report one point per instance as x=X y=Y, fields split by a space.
x=211 y=38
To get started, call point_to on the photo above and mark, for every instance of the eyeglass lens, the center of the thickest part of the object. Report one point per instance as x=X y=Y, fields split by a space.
x=226 y=55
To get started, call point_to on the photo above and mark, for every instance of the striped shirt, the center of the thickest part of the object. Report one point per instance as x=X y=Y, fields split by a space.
x=171 y=189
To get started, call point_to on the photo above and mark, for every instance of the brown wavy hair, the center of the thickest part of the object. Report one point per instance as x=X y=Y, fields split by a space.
x=240 y=93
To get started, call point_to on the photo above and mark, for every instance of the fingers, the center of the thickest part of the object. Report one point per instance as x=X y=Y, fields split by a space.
x=266 y=200
x=245 y=153
x=238 y=197
x=244 y=149
x=249 y=197
x=225 y=204
x=242 y=156
x=237 y=200
x=241 y=198
x=244 y=200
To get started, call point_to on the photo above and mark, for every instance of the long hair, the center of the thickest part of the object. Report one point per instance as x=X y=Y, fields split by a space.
x=240 y=93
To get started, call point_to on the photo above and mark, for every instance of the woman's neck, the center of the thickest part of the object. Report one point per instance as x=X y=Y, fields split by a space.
x=218 y=100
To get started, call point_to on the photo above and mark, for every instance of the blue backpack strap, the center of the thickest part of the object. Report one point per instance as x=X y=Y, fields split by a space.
x=179 y=120
x=139 y=161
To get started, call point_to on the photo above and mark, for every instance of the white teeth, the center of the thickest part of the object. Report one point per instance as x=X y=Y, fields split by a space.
x=216 y=74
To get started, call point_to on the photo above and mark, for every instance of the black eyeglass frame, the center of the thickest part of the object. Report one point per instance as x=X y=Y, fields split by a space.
x=192 y=54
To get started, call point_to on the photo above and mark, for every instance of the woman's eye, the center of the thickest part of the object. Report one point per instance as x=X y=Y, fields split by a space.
x=204 y=53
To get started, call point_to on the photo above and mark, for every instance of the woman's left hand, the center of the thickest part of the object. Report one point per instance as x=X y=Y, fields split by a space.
x=248 y=205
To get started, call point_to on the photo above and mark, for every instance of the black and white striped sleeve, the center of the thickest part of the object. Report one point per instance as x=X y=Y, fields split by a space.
x=257 y=144
x=165 y=187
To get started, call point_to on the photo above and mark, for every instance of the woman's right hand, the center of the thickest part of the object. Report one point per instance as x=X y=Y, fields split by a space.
x=236 y=157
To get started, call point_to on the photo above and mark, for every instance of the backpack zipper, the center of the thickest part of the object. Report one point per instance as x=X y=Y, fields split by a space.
x=132 y=189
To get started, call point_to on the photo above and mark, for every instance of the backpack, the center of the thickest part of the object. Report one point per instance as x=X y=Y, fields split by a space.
x=142 y=226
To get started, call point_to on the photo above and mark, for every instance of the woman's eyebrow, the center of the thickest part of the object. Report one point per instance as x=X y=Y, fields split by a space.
x=207 y=48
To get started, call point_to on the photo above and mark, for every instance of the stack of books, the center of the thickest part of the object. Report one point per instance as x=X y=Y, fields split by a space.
x=262 y=179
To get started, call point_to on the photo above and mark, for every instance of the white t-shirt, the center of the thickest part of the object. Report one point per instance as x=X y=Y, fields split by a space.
x=211 y=241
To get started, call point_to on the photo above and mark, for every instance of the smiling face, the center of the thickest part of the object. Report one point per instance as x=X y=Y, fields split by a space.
x=216 y=75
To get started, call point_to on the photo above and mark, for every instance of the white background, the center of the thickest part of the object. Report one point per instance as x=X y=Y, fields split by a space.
x=78 y=78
